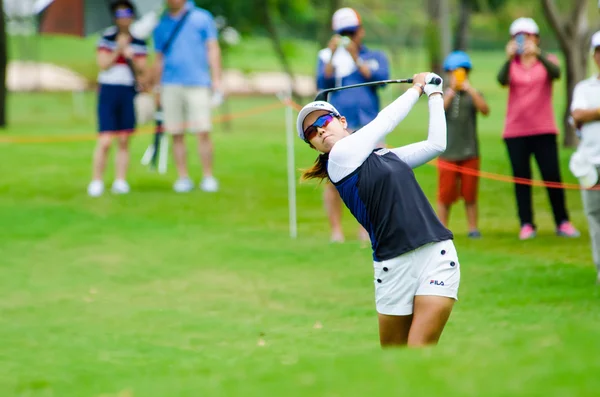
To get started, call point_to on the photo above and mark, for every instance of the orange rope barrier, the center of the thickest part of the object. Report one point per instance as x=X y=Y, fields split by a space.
x=489 y=175
x=141 y=131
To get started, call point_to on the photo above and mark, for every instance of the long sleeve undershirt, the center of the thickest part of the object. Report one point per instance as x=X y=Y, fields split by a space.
x=349 y=153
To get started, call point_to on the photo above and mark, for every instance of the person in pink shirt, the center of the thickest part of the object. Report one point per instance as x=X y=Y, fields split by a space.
x=530 y=128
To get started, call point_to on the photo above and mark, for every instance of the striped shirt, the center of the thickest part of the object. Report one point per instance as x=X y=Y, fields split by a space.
x=119 y=73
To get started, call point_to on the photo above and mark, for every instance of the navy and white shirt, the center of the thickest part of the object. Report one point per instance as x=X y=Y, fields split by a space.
x=119 y=73
x=378 y=185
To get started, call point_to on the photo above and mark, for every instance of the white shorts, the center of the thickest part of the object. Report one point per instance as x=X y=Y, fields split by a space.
x=432 y=269
x=186 y=109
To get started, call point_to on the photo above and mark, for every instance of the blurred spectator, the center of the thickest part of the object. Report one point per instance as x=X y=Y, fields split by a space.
x=530 y=127
x=121 y=58
x=585 y=162
x=188 y=69
x=347 y=61
x=462 y=102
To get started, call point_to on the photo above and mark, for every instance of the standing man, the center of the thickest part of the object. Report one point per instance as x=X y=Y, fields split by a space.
x=585 y=162
x=347 y=61
x=188 y=61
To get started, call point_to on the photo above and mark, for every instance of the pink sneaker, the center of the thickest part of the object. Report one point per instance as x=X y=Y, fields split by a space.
x=566 y=229
x=527 y=232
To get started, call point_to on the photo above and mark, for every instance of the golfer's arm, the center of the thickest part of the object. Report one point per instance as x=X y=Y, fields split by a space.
x=422 y=152
x=353 y=150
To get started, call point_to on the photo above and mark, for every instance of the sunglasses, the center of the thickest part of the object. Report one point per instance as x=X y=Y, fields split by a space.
x=124 y=13
x=321 y=122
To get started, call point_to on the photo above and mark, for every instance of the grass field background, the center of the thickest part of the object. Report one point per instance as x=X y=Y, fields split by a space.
x=158 y=294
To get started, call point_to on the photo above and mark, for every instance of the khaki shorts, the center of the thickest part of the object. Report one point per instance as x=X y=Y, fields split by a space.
x=186 y=109
x=432 y=269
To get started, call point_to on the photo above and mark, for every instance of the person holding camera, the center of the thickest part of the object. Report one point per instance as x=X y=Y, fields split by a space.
x=346 y=61
x=462 y=102
x=530 y=128
x=121 y=58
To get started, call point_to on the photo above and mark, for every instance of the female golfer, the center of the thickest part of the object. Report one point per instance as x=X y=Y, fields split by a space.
x=417 y=273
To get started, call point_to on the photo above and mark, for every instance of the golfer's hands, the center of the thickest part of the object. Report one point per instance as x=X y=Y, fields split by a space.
x=431 y=88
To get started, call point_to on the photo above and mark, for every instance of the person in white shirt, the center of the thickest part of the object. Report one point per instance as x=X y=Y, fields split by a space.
x=585 y=162
x=415 y=263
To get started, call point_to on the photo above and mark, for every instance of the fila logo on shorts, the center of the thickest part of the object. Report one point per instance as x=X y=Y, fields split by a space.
x=435 y=282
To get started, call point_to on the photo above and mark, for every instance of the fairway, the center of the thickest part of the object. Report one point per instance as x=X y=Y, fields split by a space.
x=157 y=294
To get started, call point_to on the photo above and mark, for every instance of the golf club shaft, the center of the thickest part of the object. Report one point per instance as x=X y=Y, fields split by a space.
x=323 y=94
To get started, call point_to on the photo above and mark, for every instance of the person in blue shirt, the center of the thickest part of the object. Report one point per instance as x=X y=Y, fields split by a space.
x=190 y=79
x=347 y=61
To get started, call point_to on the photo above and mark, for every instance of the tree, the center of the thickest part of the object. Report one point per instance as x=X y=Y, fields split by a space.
x=573 y=33
x=438 y=43
x=3 y=62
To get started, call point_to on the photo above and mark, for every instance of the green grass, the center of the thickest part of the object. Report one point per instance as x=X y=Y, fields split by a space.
x=157 y=294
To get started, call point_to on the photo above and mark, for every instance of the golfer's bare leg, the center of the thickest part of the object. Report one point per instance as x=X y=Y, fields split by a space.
x=100 y=155
x=122 y=156
x=205 y=150
x=393 y=330
x=333 y=207
x=429 y=318
x=179 y=155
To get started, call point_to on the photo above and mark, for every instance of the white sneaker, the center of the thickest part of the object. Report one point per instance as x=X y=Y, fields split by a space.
x=209 y=184
x=95 y=188
x=184 y=185
x=120 y=186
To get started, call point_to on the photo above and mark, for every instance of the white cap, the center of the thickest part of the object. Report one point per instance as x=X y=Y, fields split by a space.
x=524 y=25
x=345 y=19
x=583 y=170
x=308 y=109
x=596 y=40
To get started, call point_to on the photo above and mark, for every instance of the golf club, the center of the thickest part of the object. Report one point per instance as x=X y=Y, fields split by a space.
x=322 y=95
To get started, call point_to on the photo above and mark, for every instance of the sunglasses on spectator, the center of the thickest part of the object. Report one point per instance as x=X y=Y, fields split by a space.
x=321 y=122
x=124 y=13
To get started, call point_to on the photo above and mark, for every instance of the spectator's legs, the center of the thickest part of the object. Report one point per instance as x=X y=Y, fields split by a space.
x=591 y=206
x=443 y=211
x=205 y=150
x=180 y=156
x=100 y=156
x=469 y=185
x=198 y=103
x=333 y=207
x=122 y=157
x=519 y=153
x=447 y=189
x=546 y=155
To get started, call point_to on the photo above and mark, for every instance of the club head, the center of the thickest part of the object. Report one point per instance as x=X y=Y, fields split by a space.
x=322 y=96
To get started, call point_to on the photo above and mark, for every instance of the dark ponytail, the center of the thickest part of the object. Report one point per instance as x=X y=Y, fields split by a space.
x=318 y=170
